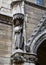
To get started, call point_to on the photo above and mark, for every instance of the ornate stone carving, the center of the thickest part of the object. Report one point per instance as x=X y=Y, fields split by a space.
x=38 y=42
x=18 y=19
x=23 y=57
x=17 y=59
x=18 y=29
x=39 y=29
x=27 y=47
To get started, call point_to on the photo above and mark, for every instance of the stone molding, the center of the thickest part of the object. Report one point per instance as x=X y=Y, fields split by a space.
x=39 y=32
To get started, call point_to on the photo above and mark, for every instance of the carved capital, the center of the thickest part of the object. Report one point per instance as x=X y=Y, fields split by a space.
x=17 y=58
x=23 y=57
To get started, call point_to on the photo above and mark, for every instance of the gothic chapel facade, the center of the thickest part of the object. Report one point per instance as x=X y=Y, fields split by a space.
x=22 y=32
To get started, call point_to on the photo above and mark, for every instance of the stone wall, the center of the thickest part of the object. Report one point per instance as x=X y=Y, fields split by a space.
x=5 y=39
x=33 y=16
x=35 y=1
x=6 y=8
x=5 y=43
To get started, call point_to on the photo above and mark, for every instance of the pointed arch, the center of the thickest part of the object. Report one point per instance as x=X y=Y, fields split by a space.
x=37 y=42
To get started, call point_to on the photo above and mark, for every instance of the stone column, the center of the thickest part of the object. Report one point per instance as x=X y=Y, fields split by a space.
x=18 y=20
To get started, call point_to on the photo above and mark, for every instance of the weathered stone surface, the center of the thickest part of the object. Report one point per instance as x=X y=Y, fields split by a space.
x=6 y=61
x=5 y=40
x=34 y=16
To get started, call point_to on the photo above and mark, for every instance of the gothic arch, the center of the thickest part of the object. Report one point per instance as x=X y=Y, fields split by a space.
x=41 y=53
x=38 y=41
